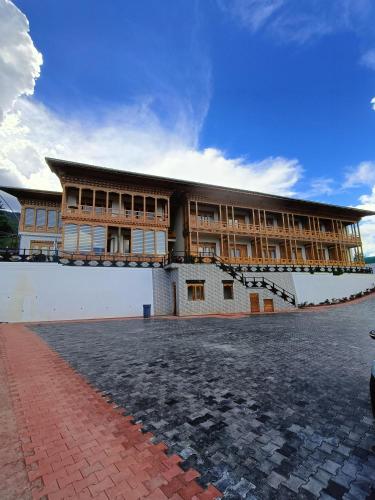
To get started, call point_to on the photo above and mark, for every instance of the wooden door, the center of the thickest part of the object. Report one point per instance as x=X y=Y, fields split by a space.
x=254 y=303
x=268 y=305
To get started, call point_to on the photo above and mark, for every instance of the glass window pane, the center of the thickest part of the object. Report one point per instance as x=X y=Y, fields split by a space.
x=149 y=242
x=160 y=243
x=51 y=218
x=70 y=237
x=137 y=241
x=40 y=217
x=99 y=239
x=29 y=217
x=85 y=239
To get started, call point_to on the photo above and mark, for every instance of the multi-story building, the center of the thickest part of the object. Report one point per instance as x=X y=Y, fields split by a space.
x=106 y=216
x=40 y=224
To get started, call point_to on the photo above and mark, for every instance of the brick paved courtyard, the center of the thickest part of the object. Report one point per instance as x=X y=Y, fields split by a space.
x=271 y=406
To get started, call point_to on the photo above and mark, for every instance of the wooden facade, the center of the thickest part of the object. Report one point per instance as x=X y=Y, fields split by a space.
x=249 y=235
x=119 y=214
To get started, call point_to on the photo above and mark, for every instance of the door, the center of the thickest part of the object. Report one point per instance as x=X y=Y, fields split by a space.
x=174 y=298
x=268 y=305
x=254 y=303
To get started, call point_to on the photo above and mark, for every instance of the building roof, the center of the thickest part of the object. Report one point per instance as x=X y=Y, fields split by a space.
x=33 y=194
x=212 y=192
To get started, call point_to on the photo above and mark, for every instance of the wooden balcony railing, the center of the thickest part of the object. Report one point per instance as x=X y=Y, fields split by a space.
x=112 y=256
x=271 y=231
x=115 y=215
x=253 y=261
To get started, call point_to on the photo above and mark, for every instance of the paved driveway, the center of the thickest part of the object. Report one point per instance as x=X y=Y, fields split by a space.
x=271 y=406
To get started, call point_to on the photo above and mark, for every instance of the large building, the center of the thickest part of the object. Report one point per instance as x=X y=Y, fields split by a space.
x=112 y=217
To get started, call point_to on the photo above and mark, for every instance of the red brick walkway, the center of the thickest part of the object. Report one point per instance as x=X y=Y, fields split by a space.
x=75 y=443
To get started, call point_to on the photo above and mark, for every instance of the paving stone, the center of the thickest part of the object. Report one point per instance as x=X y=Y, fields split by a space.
x=313 y=486
x=278 y=394
x=330 y=466
x=274 y=480
x=294 y=483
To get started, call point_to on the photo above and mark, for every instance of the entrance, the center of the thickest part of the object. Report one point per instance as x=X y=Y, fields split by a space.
x=268 y=305
x=174 y=298
x=254 y=303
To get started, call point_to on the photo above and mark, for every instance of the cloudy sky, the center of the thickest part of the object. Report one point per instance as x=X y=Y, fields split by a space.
x=269 y=95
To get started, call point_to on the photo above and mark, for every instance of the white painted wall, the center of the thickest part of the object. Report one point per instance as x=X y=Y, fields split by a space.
x=48 y=291
x=316 y=288
x=27 y=237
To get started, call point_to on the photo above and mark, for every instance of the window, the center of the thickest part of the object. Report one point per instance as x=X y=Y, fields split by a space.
x=160 y=243
x=235 y=252
x=137 y=241
x=98 y=239
x=271 y=254
x=85 y=239
x=207 y=248
x=40 y=217
x=70 y=237
x=51 y=218
x=228 y=290
x=270 y=221
x=195 y=290
x=205 y=216
x=29 y=216
x=149 y=242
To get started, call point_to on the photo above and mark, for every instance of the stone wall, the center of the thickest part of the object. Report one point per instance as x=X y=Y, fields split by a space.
x=214 y=301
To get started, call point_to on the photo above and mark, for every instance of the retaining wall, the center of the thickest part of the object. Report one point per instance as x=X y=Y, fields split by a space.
x=48 y=291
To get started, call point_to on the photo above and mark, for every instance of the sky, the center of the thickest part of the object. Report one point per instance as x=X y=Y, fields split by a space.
x=275 y=96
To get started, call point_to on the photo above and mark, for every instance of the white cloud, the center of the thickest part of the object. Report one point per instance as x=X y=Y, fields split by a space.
x=368 y=59
x=301 y=20
x=19 y=60
x=372 y=102
x=368 y=223
x=252 y=14
x=363 y=174
x=322 y=186
x=131 y=139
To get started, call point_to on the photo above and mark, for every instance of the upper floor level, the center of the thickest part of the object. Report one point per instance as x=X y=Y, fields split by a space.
x=122 y=203
x=222 y=218
x=82 y=202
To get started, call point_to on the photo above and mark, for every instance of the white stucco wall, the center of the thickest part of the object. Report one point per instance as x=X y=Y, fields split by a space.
x=316 y=288
x=26 y=238
x=47 y=291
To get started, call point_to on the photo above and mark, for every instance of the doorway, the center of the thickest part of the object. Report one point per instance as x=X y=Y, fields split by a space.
x=268 y=305
x=174 y=298
x=254 y=303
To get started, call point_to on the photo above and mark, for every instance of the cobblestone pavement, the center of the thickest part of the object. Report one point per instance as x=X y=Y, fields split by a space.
x=271 y=406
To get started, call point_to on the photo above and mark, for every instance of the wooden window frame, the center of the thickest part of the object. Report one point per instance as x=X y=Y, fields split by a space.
x=197 y=290
x=228 y=285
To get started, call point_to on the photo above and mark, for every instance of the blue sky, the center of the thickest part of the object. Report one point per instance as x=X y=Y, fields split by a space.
x=272 y=95
x=257 y=93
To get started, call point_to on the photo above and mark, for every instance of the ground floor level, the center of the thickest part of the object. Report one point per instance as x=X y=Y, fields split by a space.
x=44 y=291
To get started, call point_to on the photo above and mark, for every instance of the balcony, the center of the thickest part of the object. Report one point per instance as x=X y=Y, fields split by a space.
x=265 y=261
x=115 y=216
x=271 y=231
